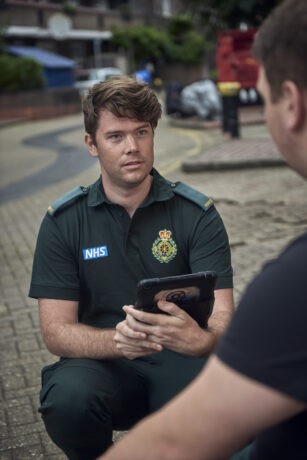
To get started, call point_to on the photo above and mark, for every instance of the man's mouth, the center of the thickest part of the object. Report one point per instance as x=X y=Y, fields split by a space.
x=132 y=164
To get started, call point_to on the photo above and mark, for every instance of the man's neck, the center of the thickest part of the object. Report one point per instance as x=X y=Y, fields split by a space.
x=128 y=198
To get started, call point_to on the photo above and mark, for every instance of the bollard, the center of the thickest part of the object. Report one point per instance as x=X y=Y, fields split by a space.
x=230 y=102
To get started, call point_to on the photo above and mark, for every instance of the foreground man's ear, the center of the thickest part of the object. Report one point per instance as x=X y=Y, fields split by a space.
x=293 y=104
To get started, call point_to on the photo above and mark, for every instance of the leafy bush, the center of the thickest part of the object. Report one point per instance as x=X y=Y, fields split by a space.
x=20 y=73
x=179 y=43
x=179 y=25
x=144 y=42
x=188 y=49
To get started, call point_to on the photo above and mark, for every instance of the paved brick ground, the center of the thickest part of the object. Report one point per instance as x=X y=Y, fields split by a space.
x=237 y=154
x=263 y=210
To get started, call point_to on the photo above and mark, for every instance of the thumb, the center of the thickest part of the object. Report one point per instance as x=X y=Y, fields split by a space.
x=171 y=308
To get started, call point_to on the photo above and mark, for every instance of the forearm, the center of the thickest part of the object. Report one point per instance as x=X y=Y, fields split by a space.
x=217 y=325
x=81 y=341
x=219 y=320
x=148 y=441
x=209 y=338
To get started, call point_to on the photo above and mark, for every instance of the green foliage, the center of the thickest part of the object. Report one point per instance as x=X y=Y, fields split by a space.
x=69 y=8
x=146 y=43
x=193 y=47
x=178 y=43
x=189 y=50
x=214 y=15
x=20 y=73
x=179 y=25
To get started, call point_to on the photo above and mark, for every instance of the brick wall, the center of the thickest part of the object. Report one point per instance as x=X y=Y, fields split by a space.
x=39 y=104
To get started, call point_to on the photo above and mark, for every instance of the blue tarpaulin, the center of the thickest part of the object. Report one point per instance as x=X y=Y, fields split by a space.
x=57 y=70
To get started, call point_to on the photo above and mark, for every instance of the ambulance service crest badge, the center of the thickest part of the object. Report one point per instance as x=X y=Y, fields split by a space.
x=164 y=248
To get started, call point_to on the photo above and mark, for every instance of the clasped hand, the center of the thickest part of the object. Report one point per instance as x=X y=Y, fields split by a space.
x=144 y=333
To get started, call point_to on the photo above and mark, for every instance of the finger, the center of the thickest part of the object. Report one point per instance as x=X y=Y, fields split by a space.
x=126 y=331
x=134 y=355
x=172 y=309
x=120 y=338
x=155 y=338
x=130 y=348
x=144 y=327
x=137 y=325
x=144 y=317
x=139 y=346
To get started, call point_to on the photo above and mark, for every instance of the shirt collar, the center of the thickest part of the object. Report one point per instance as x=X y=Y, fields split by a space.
x=96 y=195
x=161 y=190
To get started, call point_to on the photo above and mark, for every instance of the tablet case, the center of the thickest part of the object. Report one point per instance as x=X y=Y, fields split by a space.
x=194 y=293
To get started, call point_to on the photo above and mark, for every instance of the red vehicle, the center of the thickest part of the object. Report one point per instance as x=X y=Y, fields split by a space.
x=235 y=62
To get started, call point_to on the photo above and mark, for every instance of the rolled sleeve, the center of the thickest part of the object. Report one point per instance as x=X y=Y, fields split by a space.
x=55 y=271
x=209 y=247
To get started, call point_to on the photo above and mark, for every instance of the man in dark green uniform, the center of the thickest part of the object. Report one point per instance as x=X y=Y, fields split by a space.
x=118 y=364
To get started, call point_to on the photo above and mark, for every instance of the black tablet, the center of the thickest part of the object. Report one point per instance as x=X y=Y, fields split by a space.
x=194 y=293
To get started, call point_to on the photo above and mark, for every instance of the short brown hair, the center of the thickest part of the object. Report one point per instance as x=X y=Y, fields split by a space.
x=280 y=45
x=123 y=96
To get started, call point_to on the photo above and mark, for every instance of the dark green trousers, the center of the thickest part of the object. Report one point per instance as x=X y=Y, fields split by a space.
x=84 y=400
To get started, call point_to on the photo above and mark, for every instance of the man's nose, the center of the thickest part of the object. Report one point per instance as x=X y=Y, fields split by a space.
x=131 y=143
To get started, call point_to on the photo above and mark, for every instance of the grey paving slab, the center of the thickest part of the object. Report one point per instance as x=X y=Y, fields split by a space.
x=263 y=210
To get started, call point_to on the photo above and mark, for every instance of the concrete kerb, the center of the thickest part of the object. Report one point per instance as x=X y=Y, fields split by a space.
x=236 y=154
x=11 y=122
x=232 y=154
x=194 y=123
x=197 y=166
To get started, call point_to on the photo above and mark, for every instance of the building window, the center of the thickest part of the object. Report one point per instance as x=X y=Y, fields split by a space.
x=166 y=8
x=100 y=21
x=40 y=18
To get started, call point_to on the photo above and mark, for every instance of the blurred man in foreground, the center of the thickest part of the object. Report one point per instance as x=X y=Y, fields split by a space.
x=255 y=387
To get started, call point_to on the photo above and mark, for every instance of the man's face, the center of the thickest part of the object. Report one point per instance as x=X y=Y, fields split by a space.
x=124 y=147
x=284 y=122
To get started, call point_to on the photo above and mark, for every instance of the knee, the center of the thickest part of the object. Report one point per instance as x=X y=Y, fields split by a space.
x=73 y=412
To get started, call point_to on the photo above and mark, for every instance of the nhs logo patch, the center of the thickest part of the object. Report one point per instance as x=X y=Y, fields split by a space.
x=95 y=253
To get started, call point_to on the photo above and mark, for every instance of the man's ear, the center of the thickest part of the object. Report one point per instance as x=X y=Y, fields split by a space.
x=90 y=145
x=293 y=105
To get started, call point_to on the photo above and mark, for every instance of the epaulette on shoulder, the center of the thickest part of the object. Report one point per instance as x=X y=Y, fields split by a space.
x=67 y=198
x=193 y=195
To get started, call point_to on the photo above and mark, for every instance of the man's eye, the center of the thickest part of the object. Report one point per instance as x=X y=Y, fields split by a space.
x=142 y=132
x=115 y=137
